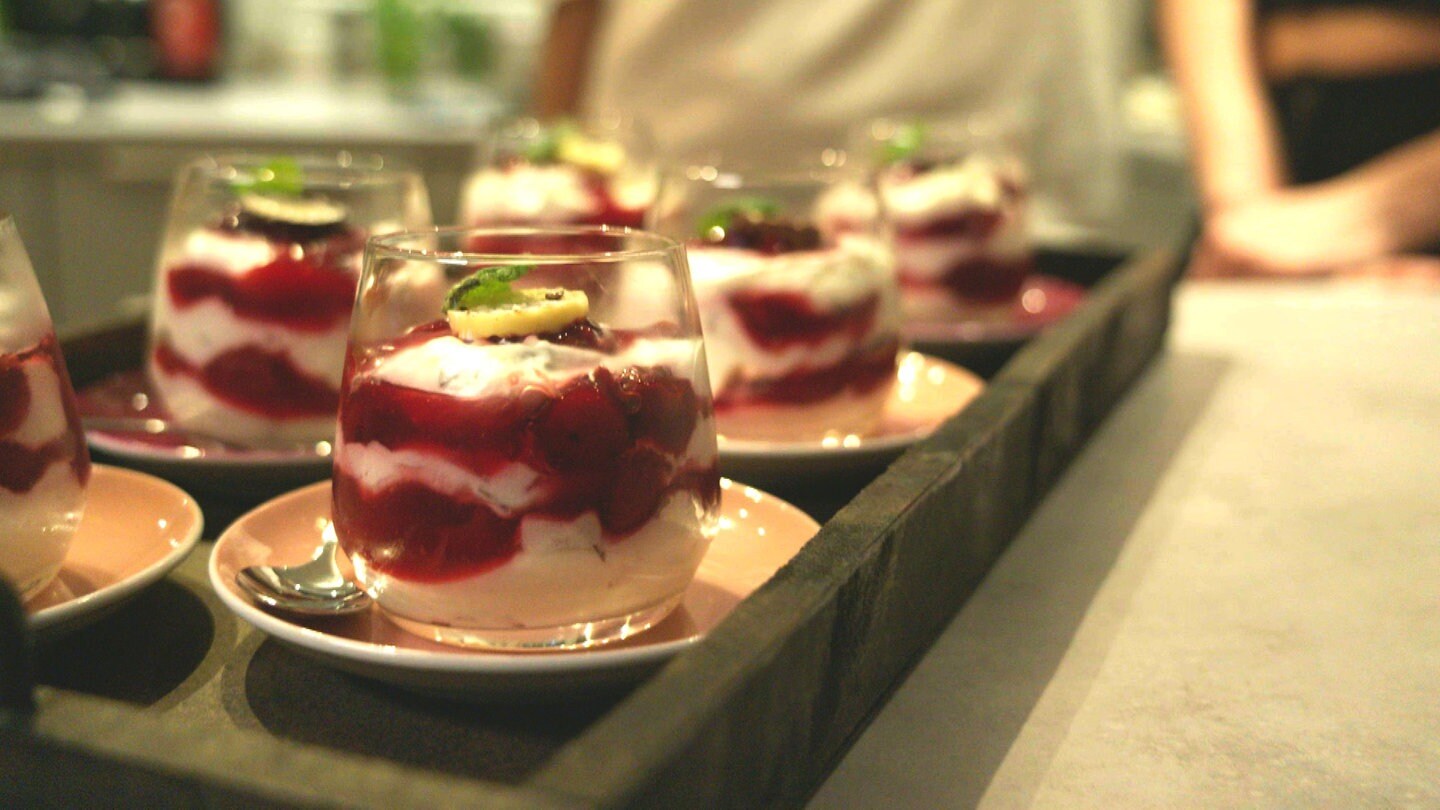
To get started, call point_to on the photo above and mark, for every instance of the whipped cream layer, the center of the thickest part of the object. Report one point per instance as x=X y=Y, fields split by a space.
x=974 y=183
x=22 y=324
x=190 y=404
x=202 y=331
x=24 y=320
x=845 y=208
x=36 y=527
x=565 y=573
x=833 y=279
x=549 y=195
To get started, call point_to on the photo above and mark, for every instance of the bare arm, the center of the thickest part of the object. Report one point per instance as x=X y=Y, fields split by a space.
x=565 y=58
x=1210 y=46
x=1399 y=187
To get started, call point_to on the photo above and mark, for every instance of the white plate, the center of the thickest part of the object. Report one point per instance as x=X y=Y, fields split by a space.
x=117 y=411
x=758 y=534
x=135 y=530
x=927 y=391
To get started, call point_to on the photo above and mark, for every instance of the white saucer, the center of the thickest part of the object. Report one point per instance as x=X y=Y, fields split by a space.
x=135 y=530
x=758 y=534
x=934 y=318
x=927 y=391
x=117 y=411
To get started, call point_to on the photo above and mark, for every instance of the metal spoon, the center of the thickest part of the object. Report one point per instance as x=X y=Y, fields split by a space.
x=315 y=588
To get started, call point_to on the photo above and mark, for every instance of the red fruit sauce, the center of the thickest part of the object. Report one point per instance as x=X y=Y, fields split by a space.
x=299 y=293
x=22 y=466
x=251 y=379
x=976 y=276
x=777 y=319
x=608 y=442
x=988 y=279
x=857 y=373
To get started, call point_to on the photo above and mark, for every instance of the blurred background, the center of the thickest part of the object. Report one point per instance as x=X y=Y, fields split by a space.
x=102 y=100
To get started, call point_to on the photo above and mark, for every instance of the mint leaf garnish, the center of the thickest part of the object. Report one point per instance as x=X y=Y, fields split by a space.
x=724 y=215
x=906 y=141
x=546 y=148
x=280 y=177
x=487 y=287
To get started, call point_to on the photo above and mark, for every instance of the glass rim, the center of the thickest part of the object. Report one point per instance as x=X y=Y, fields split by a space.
x=738 y=176
x=387 y=244
x=341 y=168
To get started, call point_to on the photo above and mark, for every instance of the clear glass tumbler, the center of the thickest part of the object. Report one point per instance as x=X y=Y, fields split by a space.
x=44 y=464
x=598 y=171
x=526 y=456
x=954 y=199
x=254 y=288
x=802 y=321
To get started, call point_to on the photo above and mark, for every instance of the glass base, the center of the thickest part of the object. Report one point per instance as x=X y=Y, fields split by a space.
x=543 y=639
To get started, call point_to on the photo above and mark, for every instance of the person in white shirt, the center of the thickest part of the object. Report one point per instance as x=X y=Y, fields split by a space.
x=755 y=79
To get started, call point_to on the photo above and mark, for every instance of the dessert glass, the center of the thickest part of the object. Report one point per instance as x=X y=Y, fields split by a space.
x=802 y=322
x=539 y=486
x=44 y=464
x=954 y=204
x=599 y=171
x=255 y=284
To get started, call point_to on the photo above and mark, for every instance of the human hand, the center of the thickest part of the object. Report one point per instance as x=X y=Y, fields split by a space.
x=1301 y=232
x=1407 y=271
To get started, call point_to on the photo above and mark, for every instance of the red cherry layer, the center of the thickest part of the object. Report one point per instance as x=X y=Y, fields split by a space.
x=21 y=465
x=307 y=286
x=609 y=442
x=251 y=379
x=858 y=373
x=988 y=279
x=778 y=319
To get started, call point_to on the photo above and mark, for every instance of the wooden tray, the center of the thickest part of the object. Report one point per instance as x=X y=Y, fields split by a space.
x=169 y=702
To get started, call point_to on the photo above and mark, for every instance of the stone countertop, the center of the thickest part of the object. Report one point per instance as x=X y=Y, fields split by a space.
x=1230 y=598
x=240 y=112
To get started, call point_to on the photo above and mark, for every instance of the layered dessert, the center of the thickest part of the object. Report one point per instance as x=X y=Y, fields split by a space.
x=562 y=177
x=801 y=331
x=44 y=465
x=958 y=227
x=515 y=474
x=251 y=317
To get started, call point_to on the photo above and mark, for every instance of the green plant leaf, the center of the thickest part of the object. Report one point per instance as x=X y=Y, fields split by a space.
x=546 y=148
x=278 y=177
x=724 y=215
x=906 y=141
x=486 y=288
